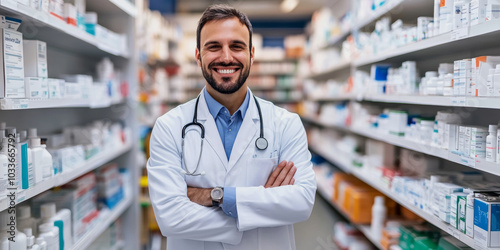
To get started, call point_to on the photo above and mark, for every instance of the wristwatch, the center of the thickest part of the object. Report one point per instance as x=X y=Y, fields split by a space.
x=217 y=194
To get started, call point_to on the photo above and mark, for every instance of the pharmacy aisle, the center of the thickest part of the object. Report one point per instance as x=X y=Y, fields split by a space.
x=409 y=112
x=68 y=126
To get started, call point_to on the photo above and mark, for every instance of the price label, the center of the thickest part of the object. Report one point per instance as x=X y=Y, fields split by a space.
x=458 y=100
x=460 y=33
x=468 y=161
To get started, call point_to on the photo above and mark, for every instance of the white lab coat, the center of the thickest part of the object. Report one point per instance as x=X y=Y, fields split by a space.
x=265 y=216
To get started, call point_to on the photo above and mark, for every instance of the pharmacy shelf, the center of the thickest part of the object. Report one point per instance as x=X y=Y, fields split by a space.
x=56 y=32
x=334 y=41
x=475 y=163
x=66 y=177
x=118 y=245
x=272 y=88
x=329 y=158
x=15 y=104
x=365 y=229
x=397 y=9
x=484 y=35
x=105 y=219
x=331 y=72
x=428 y=217
x=347 y=97
x=112 y=7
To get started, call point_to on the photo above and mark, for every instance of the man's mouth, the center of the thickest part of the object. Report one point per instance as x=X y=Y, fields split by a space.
x=228 y=71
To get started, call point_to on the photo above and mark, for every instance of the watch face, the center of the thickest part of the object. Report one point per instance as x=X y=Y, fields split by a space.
x=216 y=193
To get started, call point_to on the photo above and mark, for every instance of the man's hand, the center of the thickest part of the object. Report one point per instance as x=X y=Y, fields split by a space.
x=201 y=196
x=282 y=175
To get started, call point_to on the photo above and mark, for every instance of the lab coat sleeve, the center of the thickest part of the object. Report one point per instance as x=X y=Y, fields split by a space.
x=176 y=215
x=284 y=205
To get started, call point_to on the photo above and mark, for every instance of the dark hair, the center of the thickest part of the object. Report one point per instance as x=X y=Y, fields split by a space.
x=221 y=12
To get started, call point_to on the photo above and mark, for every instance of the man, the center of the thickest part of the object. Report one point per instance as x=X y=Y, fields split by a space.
x=229 y=193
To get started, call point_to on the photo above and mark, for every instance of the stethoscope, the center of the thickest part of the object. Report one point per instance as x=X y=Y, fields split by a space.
x=260 y=143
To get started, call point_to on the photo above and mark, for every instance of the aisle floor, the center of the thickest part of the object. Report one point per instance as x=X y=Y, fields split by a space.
x=316 y=233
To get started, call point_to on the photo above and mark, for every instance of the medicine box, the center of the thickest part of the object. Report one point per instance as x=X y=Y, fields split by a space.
x=110 y=185
x=36 y=87
x=56 y=87
x=486 y=226
x=11 y=64
x=35 y=58
x=458 y=211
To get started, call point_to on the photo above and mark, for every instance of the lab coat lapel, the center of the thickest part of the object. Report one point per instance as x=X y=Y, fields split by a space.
x=246 y=134
x=211 y=133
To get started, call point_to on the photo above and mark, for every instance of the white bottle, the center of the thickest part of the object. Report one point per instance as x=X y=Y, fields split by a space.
x=490 y=89
x=47 y=232
x=20 y=241
x=24 y=219
x=497 y=158
x=63 y=221
x=48 y=215
x=37 y=158
x=491 y=143
x=40 y=241
x=30 y=240
x=47 y=164
x=496 y=80
x=379 y=214
x=4 y=166
x=4 y=237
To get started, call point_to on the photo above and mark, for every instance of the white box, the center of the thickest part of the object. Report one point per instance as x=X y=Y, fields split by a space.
x=36 y=87
x=56 y=87
x=73 y=90
x=478 y=142
x=477 y=12
x=11 y=64
x=486 y=226
x=35 y=58
x=469 y=216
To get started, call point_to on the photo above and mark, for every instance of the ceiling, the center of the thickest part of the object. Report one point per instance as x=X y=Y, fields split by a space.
x=257 y=9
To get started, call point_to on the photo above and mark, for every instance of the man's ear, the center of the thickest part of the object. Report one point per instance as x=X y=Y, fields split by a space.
x=252 y=53
x=197 y=57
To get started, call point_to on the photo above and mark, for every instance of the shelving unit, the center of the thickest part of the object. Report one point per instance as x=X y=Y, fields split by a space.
x=458 y=44
x=365 y=229
x=71 y=50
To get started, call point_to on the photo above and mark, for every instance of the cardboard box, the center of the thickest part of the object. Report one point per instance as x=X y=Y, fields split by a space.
x=35 y=58
x=486 y=226
x=11 y=64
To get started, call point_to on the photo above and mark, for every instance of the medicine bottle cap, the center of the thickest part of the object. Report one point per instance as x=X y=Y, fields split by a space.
x=379 y=200
x=30 y=239
x=23 y=134
x=24 y=212
x=48 y=210
x=45 y=228
x=32 y=133
x=35 y=142
x=40 y=240
x=493 y=129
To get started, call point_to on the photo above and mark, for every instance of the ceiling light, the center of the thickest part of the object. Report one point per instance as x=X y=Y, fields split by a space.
x=288 y=5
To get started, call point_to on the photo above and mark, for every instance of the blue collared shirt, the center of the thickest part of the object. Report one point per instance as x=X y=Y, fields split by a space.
x=228 y=127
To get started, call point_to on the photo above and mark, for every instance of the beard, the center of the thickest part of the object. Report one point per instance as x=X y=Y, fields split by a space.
x=226 y=87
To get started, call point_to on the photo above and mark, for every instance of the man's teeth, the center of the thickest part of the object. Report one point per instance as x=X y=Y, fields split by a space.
x=226 y=71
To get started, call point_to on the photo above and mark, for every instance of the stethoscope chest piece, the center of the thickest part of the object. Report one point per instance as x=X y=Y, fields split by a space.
x=261 y=143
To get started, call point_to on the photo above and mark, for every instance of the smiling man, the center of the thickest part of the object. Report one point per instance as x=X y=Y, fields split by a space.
x=229 y=193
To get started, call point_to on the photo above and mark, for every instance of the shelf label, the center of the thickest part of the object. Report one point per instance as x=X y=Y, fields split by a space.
x=460 y=33
x=468 y=161
x=21 y=196
x=458 y=100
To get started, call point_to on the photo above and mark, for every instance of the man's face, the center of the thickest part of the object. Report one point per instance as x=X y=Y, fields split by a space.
x=224 y=55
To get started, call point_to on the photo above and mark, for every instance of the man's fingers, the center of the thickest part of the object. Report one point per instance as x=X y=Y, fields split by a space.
x=274 y=174
x=281 y=177
x=293 y=181
x=289 y=176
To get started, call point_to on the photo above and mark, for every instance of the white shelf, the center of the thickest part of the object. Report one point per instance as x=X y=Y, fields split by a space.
x=66 y=177
x=448 y=101
x=386 y=8
x=55 y=31
x=126 y=6
x=15 y=104
x=365 y=229
x=331 y=72
x=486 y=34
x=105 y=219
x=428 y=217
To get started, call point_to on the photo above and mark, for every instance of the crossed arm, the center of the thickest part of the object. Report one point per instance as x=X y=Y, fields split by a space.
x=281 y=176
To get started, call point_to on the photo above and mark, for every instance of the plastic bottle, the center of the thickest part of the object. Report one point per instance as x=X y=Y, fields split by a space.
x=491 y=143
x=48 y=215
x=496 y=80
x=37 y=158
x=379 y=214
x=48 y=166
x=4 y=237
x=26 y=182
x=20 y=241
x=40 y=241
x=30 y=240
x=63 y=221
x=24 y=219
x=47 y=232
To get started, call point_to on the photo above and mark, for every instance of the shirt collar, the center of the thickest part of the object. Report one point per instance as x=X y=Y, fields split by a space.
x=214 y=106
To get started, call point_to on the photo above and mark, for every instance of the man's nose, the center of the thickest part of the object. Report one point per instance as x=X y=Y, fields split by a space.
x=226 y=56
